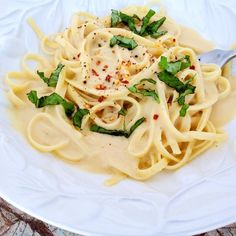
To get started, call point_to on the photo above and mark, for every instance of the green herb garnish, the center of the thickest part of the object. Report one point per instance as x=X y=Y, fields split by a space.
x=143 y=91
x=78 y=117
x=123 y=42
x=183 y=110
x=176 y=66
x=53 y=99
x=122 y=111
x=154 y=26
x=146 y=27
x=146 y=20
x=52 y=80
x=125 y=133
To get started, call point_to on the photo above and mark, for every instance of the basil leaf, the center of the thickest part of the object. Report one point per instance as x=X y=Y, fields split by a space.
x=52 y=80
x=123 y=42
x=129 y=21
x=78 y=117
x=145 y=92
x=185 y=62
x=146 y=20
x=183 y=110
x=181 y=98
x=176 y=66
x=172 y=81
x=125 y=133
x=136 y=17
x=158 y=34
x=136 y=125
x=115 y=18
x=149 y=93
x=53 y=99
x=155 y=25
x=122 y=111
x=152 y=81
x=101 y=130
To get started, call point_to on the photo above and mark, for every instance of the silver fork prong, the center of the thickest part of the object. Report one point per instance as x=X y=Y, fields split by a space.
x=217 y=56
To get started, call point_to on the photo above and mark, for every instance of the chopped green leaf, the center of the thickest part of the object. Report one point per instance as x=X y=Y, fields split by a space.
x=52 y=80
x=53 y=99
x=101 y=130
x=129 y=21
x=146 y=20
x=136 y=125
x=155 y=25
x=158 y=34
x=149 y=93
x=125 y=133
x=136 y=17
x=152 y=81
x=183 y=110
x=176 y=66
x=123 y=42
x=115 y=18
x=78 y=117
x=122 y=111
x=172 y=81
x=145 y=92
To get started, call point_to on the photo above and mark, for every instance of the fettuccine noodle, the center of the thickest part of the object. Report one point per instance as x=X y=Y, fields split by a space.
x=96 y=77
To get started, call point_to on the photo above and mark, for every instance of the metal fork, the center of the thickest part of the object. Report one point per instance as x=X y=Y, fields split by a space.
x=217 y=56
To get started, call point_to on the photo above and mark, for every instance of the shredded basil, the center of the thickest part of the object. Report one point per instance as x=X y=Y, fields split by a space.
x=176 y=66
x=183 y=110
x=145 y=92
x=52 y=80
x=78 y=117
x=123 y=42
x=52 y=99
x=146 y=20
x=146 y=27
x=125 y=133
x=122 y=111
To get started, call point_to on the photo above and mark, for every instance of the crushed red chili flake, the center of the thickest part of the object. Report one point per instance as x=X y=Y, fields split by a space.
x=95 y=72
x=101 y=99
x=174 y=40
x=78 y=55
x=192 y=67
x=103 y=69
x=73 y=58
x=98 y=63
x=101 y=87
x=155 y=116
x=106 y=66
x=124 y=81
x=108 y=78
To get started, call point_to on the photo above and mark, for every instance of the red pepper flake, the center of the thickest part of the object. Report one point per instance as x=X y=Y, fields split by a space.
x=103 y=69
x=98 y=63
x=78 y=55
x=101 y=99
x=95 y=72
x=73 y=58
x=174 y=40
x=101 y=87
x=155 y=116
x=108 y=78
x=192 y=67
x=124 y=81
x=106 y=66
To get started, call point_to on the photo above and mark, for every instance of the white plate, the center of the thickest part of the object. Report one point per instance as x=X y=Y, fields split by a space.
x=199 y=197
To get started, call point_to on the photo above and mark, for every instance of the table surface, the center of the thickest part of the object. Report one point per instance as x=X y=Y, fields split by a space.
x=14 y=222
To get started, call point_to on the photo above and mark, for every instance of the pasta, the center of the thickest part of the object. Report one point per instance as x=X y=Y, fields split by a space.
x=119 y=94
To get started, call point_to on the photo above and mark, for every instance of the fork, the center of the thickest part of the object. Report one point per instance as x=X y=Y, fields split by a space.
x=217 y=56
